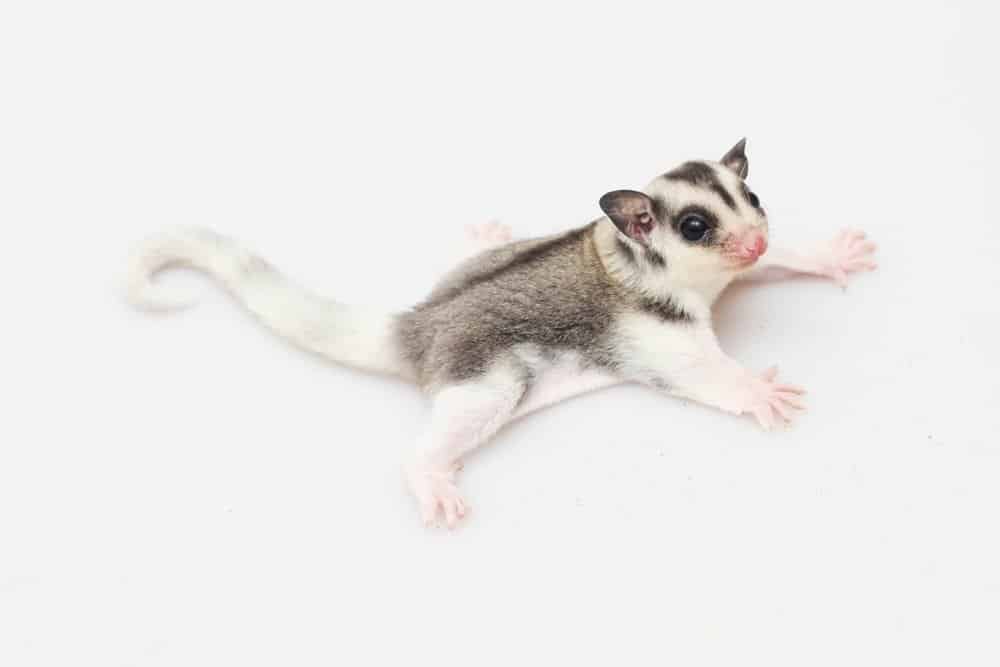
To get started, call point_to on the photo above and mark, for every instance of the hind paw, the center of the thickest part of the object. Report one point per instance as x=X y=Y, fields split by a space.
x=437 y=494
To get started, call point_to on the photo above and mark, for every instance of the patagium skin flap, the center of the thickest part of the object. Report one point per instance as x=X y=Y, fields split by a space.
x=519 y=325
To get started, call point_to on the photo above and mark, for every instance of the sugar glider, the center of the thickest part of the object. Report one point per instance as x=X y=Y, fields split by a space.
x=522 y=324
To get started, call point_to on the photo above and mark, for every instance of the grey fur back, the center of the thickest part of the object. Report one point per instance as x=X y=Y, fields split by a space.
x=553 y=293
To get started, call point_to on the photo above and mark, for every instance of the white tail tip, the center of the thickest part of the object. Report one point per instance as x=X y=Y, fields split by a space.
x=157 y=298
x=142 y=292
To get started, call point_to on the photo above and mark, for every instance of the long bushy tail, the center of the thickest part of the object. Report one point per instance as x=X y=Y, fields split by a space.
x=351 y=335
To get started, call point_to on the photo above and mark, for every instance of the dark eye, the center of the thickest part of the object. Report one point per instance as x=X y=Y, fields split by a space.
x=693 y=227
x=754 y=199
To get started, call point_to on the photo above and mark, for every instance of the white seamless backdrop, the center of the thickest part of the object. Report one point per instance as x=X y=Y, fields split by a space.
x=187 y=490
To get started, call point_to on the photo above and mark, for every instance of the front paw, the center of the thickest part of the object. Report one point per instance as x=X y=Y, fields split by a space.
x=848 y=252
x=772 y=403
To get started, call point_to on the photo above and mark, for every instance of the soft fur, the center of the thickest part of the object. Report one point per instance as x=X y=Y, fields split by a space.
x=524 y=324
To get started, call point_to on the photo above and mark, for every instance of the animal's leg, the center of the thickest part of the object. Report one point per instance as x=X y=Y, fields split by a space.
x=726 y=384
x=562 y=383
x=463 y=416
x=850 y=251
x=687 y=361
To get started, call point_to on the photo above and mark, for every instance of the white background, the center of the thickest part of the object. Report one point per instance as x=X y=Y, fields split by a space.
x=187 y=490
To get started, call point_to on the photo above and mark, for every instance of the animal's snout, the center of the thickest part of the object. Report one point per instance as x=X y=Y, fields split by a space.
x=758 y=246
x=751 y=246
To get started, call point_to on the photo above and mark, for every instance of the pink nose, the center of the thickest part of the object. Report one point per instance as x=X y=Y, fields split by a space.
x=754 y=245
x=760 y=246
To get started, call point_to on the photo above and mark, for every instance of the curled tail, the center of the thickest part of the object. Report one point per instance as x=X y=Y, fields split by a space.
x=356 y=336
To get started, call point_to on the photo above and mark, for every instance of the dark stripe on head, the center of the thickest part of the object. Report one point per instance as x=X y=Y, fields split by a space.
x=701 y=175
x=724 y=195
x=660 y=209
x=665 y=309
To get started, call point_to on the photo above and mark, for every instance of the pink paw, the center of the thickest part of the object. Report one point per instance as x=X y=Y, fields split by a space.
x=435 y=490
x=848 y=252
x=489 y=234
x=771 y=403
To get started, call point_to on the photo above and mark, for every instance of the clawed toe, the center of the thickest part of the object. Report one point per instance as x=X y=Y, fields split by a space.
x=851 y=251
x=774 y=404
x=437 y=494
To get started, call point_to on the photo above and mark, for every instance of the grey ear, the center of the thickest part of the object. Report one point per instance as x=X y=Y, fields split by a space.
x=736 y=159
x=631 y=211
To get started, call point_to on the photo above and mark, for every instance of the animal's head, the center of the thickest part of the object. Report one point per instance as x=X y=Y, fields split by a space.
x=699 y=217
